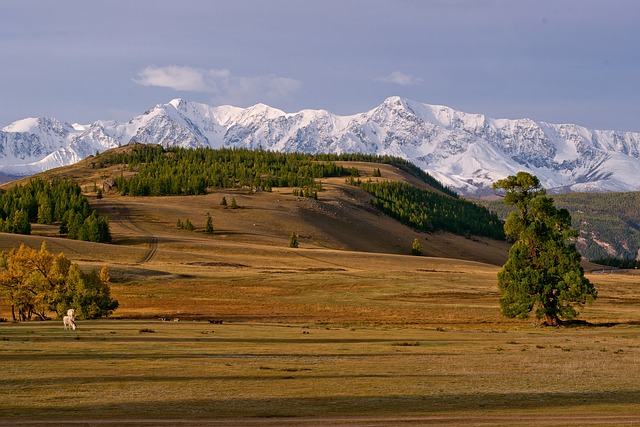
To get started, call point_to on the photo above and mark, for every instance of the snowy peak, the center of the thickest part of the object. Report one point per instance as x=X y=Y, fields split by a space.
x=467 y=152
x=177 y=103
x=25 y=125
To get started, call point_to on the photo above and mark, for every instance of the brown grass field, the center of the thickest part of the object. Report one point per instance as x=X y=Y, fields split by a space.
x=347 y=330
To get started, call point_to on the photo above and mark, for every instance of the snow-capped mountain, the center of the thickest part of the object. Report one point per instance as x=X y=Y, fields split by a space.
x=466 y=152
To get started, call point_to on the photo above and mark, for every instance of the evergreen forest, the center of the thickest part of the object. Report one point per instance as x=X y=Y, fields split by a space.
x=428 y=211
x=180 y=171
x=49 y=202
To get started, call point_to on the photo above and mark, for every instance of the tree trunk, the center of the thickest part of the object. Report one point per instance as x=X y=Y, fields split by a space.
x=13 y=312
x=551 y=320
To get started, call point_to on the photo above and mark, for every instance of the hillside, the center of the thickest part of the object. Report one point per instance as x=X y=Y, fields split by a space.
x=608 y=222
x=160 y=269
x=340 y=219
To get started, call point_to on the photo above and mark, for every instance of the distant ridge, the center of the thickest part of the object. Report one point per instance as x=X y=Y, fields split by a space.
x=466 y=152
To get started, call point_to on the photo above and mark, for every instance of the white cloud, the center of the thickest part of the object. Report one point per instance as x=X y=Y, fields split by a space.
x=176 y=77
x=400 y=78
x=224 y=86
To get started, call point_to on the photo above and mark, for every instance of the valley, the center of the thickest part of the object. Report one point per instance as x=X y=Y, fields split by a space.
x=346 y=329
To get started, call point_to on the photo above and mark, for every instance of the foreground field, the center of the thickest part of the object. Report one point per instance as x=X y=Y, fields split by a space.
x=317 y=337
x=192 y=373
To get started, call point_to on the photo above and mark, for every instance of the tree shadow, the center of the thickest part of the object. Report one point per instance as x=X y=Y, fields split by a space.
x=583 y=323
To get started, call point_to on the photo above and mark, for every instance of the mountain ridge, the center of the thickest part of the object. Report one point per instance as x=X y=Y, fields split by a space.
x=465 y=151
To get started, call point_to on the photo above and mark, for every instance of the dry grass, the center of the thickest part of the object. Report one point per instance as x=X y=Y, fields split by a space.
x=346 y=330
x=109 y=370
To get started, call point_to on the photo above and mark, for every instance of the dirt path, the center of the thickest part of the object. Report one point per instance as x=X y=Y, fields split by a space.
x=125 y=220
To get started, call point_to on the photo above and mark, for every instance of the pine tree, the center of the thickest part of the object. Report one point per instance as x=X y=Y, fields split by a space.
x=293 y=240
x=209 y=227
x=224 y=201
x=543 y=272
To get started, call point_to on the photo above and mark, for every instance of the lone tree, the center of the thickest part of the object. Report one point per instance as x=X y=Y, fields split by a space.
x=293 y=240
x=543 y=272
x=416 y=247
x=209 y=227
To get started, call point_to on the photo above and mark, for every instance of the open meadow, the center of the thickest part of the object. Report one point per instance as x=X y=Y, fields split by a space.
x=348 y=329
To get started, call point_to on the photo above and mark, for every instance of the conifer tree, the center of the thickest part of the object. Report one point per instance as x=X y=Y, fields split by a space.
x=293 y=240
x=543 y=272
x=209 y=227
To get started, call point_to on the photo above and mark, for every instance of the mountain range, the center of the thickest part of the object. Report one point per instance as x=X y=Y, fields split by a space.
x=466 y=152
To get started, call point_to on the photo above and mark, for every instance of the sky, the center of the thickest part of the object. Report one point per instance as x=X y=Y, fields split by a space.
x=559 y=61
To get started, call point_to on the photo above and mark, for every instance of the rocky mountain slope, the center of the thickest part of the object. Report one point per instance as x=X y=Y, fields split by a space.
x=466 y=152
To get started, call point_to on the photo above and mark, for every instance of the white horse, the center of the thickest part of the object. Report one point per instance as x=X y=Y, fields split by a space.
x=69 y=321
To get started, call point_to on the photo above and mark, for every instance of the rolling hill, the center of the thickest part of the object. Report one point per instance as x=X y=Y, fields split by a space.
x=340 y=219
x=160 y=269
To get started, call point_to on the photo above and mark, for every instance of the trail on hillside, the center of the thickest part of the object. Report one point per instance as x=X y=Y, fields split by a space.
x=125 y=219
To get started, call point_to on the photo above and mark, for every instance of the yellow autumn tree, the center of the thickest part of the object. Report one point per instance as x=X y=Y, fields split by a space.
x=38 y=282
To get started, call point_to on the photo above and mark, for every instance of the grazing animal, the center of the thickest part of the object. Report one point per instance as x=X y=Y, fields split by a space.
x=69 y=321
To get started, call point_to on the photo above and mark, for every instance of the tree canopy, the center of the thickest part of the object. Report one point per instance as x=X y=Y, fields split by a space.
x=428 y=211
x=543 y=272
x=37 y=282
x=175 y=171
x=48 y=202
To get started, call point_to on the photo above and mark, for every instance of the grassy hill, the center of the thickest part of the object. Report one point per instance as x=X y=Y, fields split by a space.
x=339 y=231
x=340 y=218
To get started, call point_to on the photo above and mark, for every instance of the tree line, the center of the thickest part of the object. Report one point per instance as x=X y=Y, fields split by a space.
x=618 y=263
x=179 y=171
x=168 y=171
x=38 y=282
x=428 y=211
x=398 y=162
x=48 y=202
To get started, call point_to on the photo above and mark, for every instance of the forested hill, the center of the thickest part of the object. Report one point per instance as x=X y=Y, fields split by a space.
x=151 y=170
x=609 y=223
x=176 y=171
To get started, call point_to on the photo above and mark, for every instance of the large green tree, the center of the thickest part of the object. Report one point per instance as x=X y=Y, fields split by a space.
x=543 y=272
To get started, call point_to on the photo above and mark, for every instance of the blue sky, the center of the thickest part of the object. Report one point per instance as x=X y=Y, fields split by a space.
x=560 y=61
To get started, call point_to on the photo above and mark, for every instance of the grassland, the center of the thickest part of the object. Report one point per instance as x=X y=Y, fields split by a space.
x=346 y=330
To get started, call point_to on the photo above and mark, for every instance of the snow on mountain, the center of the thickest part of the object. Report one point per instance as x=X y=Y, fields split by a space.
x=467 y=152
